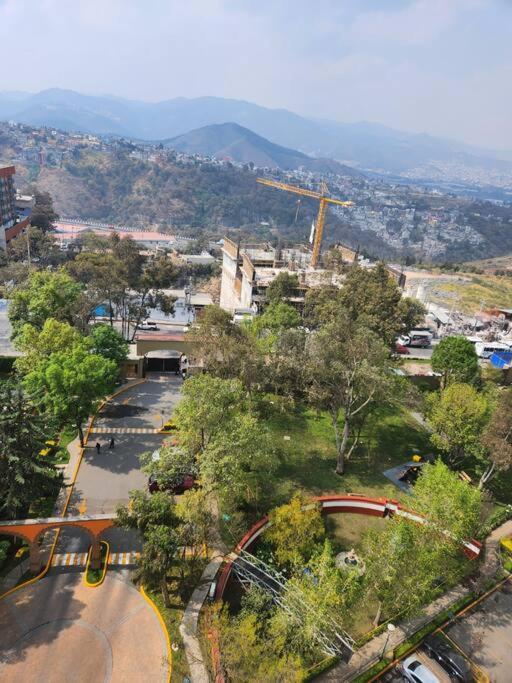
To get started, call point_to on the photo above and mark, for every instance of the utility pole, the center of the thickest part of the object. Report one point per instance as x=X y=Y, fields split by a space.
x=28 y=244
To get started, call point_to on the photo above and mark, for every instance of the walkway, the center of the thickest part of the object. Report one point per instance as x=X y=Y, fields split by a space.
x=59 y=630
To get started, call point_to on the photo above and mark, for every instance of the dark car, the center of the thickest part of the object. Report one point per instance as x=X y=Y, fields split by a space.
x=184 y=483
x=400 y=348
x=457 y=666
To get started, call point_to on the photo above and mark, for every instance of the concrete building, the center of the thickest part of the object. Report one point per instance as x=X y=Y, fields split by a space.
x=248 y=270
x=12 y=223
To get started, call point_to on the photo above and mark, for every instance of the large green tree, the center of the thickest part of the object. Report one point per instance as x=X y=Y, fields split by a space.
x=70 y=383
x=38 y=345
x=373 y=297
x=24 y=475
x=208 y=403
x=44 y=295
x=457 y=417
x=107 y=342
x=283 y=287
x=455 y=358
x=43 y=214
x=349 y=371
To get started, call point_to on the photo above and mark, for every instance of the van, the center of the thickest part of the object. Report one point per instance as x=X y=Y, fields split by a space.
x=417 y=338
x=486 y=349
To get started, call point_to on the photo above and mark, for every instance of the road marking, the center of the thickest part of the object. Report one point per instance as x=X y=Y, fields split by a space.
x=67 y=559
x=123 y=558
x=124 y=430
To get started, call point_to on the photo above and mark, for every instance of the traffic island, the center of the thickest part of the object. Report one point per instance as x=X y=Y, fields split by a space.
x=95 y=577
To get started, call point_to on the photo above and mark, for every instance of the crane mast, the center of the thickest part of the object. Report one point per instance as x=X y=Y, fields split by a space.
x=320 y=219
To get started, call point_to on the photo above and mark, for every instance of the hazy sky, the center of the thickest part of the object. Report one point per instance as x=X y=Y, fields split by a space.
x=439 y=66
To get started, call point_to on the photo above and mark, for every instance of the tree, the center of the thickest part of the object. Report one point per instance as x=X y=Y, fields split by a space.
x=195 y=523
x=107 y=342
x=457 y=418
x=208 y=402
x=282 y=287
x=147 y=510
x=277 y=317
x=44 y=295
x=295 y=529
x=154 y=517
x=238 y=459
x=449 y=503
x=158 y=555
x=456 y=359
x=349 y=369
x=43 y=214
x=71 y=382
x=24 y=475
x=38 y=345
x=373 y=297
x=497 y=439
x=42 y=248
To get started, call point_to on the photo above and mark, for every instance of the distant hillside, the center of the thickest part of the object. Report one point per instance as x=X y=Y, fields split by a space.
x=364 y=145
x=231 y=141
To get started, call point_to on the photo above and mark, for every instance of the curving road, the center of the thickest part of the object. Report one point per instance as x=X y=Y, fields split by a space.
x=59 y=630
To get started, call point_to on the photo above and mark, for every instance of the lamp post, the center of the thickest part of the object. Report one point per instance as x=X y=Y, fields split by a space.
x=391 y=628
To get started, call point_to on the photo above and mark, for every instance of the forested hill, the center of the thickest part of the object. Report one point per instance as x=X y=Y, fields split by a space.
x=119 y=188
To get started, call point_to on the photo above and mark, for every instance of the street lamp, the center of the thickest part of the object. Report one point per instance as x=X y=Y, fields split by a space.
x=391 y=628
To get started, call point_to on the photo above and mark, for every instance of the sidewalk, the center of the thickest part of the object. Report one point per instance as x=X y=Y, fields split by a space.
x=188 y=626
x=370 y=653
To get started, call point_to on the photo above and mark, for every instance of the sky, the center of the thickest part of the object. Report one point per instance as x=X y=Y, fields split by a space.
x=438 y=66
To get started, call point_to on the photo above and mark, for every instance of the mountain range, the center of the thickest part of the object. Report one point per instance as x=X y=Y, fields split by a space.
x=233 y=142
x=363 y=145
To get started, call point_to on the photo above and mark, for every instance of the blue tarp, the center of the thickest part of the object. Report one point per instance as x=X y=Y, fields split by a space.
x=501 y=359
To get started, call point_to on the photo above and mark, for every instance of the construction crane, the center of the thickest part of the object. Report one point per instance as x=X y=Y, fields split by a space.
x=320 y=219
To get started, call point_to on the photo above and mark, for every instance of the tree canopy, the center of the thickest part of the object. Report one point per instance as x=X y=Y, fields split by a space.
x=456 y=359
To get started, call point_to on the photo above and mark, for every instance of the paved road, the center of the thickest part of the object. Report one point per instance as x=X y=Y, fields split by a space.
x=106 y=479
x=59 y=630
x=485 y=634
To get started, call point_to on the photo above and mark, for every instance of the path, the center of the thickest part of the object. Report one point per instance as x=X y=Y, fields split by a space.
x=59 y=630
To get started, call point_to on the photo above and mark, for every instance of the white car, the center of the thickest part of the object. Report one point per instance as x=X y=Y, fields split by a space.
x=416 y=672
x=148 y=325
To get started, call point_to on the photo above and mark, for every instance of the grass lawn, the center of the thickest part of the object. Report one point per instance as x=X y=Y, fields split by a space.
x=309 y=456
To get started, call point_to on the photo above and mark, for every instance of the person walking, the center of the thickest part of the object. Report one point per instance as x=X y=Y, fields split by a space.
x=112 y=444
x=98 y=447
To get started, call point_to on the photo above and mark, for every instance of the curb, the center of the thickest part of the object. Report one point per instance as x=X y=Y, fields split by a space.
x=104 y=573
x=70 y=491
x=164 y=628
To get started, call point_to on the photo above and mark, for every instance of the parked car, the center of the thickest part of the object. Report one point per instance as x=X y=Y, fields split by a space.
x=148 y=325
x=452 y=662
x=184 y=483
x=400 y=348
x=416 y=672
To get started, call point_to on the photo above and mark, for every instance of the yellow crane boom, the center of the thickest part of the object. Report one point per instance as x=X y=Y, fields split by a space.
x=320 y=219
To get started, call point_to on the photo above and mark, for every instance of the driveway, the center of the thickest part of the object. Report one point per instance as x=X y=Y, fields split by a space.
x=485 y=634
x=106 y=479
x=58 y=630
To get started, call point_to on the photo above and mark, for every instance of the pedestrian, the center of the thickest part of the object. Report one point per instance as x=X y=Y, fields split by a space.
x=111 y=444
x=98 y=447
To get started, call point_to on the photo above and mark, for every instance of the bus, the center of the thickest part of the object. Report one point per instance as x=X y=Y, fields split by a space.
x=486 y=349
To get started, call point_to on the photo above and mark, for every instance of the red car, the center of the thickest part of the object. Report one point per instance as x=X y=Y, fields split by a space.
x=400 y=348
x=185 y=483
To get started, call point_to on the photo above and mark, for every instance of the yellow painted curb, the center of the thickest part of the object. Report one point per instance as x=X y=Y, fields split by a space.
x=104 y=573
x=164 y=627
x=70 y=492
